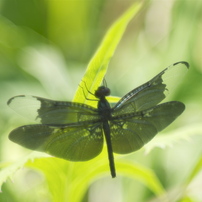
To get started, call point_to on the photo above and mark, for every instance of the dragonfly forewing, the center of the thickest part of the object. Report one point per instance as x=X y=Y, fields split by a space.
x=152 y=92
x=47 y=111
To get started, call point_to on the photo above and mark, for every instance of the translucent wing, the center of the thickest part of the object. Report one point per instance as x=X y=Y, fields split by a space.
x=130 y=132
x=47 y=111
x=79 y=143
x=152 y=92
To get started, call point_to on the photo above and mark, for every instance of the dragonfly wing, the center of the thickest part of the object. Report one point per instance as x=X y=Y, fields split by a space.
x=130 y=133
x=79 y=143
x=152 y=92
x=47 y=111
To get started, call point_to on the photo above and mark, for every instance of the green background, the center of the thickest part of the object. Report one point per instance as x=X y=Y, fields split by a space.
x=45 y=47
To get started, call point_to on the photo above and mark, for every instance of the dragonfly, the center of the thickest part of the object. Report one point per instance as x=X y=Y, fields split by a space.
x=76 y=132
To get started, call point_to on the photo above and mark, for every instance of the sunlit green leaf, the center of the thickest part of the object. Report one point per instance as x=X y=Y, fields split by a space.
x=66 y=179
x=97 y=67
x=9 y=169
x=195 y=171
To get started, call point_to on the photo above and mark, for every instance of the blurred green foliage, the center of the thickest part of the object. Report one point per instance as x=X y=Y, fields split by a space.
x=45 y=47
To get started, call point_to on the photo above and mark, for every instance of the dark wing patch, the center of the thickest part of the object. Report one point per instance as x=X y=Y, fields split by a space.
x=130 y=132
x=47 y=111
x=152 y=92
x=130 y=135
x=80 y=143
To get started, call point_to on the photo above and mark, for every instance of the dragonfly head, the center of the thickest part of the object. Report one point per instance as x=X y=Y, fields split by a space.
x=102 y=91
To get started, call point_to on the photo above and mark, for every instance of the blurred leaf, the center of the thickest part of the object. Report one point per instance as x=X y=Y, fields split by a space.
x=69 y=181
x=34 y=10
x=142 y=174
x=97 y=67
x=186 y=199
x=195 y=171
x=8 y=171
x=169 y=139
x=46 y=63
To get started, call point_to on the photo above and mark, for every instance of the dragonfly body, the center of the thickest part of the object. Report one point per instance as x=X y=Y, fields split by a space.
x=76 y=131
x=104 y=111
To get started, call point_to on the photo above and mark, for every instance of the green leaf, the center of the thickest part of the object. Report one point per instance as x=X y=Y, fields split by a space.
x=142 y=174
x=97 y=67
x=195 y=171
x=175 y=136
x=113 y=99
x=69 y=181
x=9 y=169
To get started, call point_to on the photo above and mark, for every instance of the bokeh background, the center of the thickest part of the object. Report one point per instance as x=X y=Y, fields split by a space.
x=45 y=46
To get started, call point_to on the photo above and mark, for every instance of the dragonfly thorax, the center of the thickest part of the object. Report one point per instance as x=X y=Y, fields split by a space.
x=102 y=91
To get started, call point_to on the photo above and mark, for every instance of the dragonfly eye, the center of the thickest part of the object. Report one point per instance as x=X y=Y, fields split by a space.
x=102 y=91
